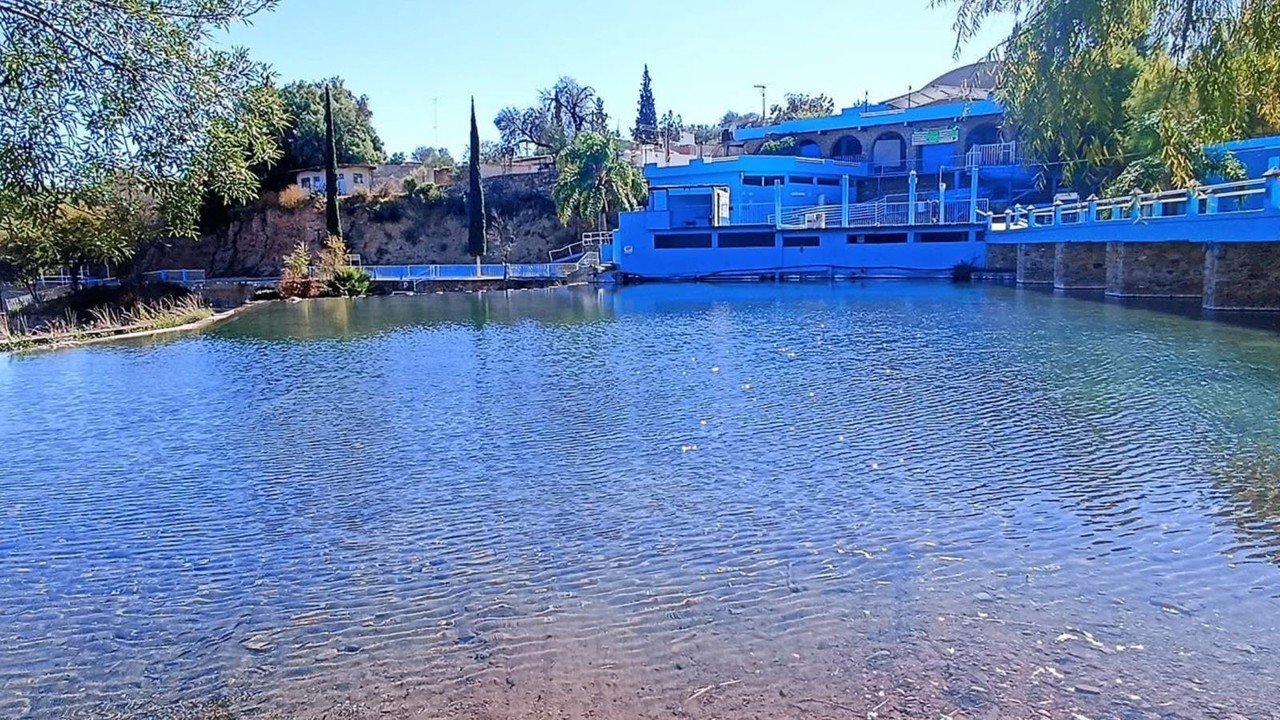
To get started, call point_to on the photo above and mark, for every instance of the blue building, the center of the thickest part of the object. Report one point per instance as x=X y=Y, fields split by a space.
x=771 y=216
x=899 y=188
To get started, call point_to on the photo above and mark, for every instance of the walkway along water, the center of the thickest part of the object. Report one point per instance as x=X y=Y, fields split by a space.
x=1218 y=242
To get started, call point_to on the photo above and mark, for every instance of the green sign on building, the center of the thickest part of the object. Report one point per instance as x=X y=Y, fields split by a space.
x=936 y=136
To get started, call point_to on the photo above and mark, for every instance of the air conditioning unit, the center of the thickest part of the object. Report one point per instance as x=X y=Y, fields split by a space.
x=815 y=220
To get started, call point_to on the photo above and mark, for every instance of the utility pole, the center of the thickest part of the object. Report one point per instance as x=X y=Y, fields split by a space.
x=435 y=121
x=763 y=111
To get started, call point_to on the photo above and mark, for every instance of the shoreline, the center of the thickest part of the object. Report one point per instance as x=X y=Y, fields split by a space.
x=112 y=336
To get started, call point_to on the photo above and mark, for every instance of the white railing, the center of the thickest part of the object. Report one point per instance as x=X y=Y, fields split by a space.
x=927 y=212
x=589 y=241
x=1226 y=198
x=487 y=271
x=1002 y=153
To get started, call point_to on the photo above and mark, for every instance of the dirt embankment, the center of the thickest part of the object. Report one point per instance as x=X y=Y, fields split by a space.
x=398 y=231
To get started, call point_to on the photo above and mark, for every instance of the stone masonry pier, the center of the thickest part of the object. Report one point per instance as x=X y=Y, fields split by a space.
x=1172 y=269
x=1242 y=276
x=1035 y=264
x=1080 y=266
x=1216 y=242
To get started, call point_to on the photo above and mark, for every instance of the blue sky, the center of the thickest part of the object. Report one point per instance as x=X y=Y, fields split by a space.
x=705 y=57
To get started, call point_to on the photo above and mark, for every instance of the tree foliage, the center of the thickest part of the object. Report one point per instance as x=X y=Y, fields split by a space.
x=303 y=141
x=96 y=95
x=564 y=111
x=670 y=127
x=646 y=130
x=332 y=216
x=476 y=218
x=796 y=106
x=1119 y=91
x=433 y=157
x=397 y=158
x=732 y=119
x=595 y=180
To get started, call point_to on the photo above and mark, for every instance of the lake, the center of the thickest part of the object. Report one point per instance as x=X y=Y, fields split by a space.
x=753 y=501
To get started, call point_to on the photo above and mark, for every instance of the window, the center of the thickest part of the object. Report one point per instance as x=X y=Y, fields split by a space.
x=358 y=178
x=682 y=241
x=759 y=181
x=885 y=238
x=342 y=176
x=305 y=183
x=747 y=240
x=832 y=182
x=800 y=241
x=800 y=180
x=944 y=237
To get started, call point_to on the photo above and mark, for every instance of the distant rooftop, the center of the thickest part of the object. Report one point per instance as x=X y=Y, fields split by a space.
x=960 y=93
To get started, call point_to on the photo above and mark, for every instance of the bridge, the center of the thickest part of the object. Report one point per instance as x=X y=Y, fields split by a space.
x=1217 y=242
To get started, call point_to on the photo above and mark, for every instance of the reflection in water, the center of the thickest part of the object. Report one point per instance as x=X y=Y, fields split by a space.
x=748 y=501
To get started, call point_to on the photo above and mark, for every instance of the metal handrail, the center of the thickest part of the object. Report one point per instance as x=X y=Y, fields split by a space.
x=1142 y=206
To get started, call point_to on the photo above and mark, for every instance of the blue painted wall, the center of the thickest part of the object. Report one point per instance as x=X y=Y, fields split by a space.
x=1255 y=153
x=636 y=253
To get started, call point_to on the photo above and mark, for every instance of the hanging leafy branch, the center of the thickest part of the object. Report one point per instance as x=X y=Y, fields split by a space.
x=128 y=101
x=1109 y=91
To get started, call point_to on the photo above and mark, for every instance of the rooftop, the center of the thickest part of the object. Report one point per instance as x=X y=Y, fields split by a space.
x=960 y=93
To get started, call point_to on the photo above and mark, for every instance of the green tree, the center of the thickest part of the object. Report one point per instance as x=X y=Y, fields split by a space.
x=595 y=180
x=564 y=111
x=304 y=140
x=646 y=129
x=434 y=157
x=332 y=217
x=797 y=106
x=397 y=158
x=1119 y=90
x=120 y=93
x=476 y=218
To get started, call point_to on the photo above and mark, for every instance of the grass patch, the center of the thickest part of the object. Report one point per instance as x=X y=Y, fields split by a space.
x=22 y=332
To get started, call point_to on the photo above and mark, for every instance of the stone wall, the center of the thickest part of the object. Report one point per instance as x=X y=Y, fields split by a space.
x=1164 y=269
x=1242 y=276
x=1035 y=263
x=396 y=231
x=1002 y=257
x=1079 y=266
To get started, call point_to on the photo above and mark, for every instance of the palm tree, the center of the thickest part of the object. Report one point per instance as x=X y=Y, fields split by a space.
x=596 y=180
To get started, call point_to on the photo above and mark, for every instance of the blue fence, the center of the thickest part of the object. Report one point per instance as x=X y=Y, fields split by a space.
x=425 y=273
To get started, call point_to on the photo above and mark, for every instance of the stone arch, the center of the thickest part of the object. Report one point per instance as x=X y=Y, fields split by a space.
x=889 y=150
x=847 y=147
x=807 y=148
x=984 y=134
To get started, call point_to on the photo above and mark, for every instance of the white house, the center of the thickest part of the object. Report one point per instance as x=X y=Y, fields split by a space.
x=350 y=179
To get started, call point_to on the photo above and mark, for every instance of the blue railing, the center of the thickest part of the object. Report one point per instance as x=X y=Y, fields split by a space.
x=488 y=271
x=1245 y=196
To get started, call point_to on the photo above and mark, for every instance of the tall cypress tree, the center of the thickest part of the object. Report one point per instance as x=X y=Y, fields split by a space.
x=332 y=220
x=646 y=129
x=475 y=195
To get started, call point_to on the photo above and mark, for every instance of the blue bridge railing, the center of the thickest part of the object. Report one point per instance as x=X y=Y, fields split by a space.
x=488 y=271
x=1245 y=196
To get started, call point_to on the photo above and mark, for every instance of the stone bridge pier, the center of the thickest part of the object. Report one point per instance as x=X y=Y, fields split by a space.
x=1155 y=269
x=1035 y=263
x=1242 y=276
x=1080 y=266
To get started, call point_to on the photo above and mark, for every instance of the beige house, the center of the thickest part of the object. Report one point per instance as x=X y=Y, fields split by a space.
x=350 y=179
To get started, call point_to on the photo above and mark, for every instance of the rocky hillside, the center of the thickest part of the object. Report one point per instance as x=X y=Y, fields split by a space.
x=410 y=229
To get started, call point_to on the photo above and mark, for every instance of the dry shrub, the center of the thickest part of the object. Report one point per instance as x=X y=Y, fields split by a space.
x=293 y=197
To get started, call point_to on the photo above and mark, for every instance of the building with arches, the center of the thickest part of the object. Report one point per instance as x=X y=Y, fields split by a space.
x=947 y=128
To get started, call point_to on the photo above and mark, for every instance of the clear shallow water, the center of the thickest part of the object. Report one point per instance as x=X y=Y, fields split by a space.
x=668 y=501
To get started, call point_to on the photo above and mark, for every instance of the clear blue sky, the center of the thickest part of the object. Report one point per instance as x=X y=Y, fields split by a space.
x=704 y=56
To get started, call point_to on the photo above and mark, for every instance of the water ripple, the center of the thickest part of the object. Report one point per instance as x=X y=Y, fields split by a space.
x=665 y=501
